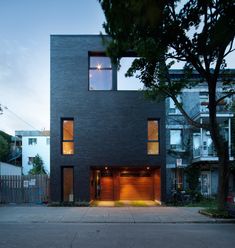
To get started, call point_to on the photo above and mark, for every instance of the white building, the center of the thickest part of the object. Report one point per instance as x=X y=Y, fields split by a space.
x=33 y=143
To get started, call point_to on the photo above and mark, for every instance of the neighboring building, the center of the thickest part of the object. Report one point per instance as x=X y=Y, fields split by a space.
x=16 y=151
x=108 y=140
x=10 y=169
x=33 y=143
x=188 y=146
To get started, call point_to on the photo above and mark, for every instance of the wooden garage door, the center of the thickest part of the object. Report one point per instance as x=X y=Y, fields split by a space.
x=106 y=191
x=136 y=186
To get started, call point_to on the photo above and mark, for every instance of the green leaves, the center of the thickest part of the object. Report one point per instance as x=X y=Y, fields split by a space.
x=38 y=166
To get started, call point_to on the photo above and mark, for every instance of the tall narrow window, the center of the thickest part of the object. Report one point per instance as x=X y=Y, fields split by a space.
x=153 y=137
x=67 y=137
x=67 y=184
x=100 y=73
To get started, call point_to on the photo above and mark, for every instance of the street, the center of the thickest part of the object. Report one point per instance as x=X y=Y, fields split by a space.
x=116 y=235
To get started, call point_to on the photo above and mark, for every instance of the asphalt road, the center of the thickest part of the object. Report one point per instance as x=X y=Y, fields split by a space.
x=113 y=235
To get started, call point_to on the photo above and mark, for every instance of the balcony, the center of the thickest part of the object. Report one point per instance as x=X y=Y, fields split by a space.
x=208 y=153
x=200 y=110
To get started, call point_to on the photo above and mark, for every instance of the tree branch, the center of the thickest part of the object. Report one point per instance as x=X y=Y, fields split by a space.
x=225 y=96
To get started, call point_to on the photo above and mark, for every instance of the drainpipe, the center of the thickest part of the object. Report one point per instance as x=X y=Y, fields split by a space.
x=229 y=137
x=201 y=150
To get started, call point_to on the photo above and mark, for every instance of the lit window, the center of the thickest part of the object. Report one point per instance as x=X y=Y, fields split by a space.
x=176 y=139
x=100 y=73
x=67 y=137
x=32 y=141
x=153 y=137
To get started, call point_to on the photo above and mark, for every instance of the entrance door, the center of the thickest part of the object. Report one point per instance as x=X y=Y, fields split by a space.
x=136 y=185
x=205 y=183
x=105 y=186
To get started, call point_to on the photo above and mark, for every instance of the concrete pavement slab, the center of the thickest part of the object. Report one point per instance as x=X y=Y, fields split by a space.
x=42 y=214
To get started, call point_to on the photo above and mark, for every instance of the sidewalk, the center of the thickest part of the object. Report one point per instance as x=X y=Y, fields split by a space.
x=42 y=214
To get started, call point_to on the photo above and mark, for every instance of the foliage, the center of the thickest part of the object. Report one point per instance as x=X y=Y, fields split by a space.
x=38 y=166
x=4 y=149
x=192 y=178
x=215 y=213
x=197 y=33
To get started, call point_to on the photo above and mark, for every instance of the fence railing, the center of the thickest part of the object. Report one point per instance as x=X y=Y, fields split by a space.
x=24 y=189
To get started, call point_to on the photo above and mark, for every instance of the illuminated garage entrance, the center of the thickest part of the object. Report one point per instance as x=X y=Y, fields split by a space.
x=125 y=184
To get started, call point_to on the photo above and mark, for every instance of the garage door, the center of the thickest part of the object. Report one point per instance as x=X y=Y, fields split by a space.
x=136 y=186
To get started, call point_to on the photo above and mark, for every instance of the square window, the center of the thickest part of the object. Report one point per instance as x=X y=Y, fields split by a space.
x=32 y=141
x=68 y=148
x=153 y=148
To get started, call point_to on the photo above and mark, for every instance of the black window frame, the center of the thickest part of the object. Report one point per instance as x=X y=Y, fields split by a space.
x=32 y=143
x=152 y=141
x=112 y=69
x=62 y=136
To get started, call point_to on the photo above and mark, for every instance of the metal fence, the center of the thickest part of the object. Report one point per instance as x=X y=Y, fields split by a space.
x=24 y=189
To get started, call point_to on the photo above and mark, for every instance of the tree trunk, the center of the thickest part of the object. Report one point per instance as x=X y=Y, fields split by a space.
x=223 y=177
x=221 y=148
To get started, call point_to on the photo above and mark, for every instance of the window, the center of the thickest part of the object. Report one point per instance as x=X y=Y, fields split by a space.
x=48 y=141
x=204 y=99
x=176 y=139
x=100 y=73
x=127 y=83
x=32 y=141
x=67 y=175
x=153 y=137
x=172 y=108
x=30 y=160
x=67 y=137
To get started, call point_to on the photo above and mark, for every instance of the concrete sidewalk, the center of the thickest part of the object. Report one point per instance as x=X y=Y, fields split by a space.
x=42 y=214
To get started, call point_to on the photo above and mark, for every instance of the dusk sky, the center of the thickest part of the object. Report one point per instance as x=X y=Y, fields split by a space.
x=25 y=27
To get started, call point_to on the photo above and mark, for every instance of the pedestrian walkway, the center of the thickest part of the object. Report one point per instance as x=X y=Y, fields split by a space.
x=43 y=214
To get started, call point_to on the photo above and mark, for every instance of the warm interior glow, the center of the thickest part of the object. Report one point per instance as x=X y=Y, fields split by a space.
x=153 y=130
x=68 y=130
x=68 y=148
x=153 y=148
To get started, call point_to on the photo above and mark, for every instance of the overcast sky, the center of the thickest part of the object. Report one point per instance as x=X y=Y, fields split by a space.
x=25 y=28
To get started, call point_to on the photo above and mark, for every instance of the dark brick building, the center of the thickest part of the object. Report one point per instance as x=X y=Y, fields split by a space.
x=106 y=143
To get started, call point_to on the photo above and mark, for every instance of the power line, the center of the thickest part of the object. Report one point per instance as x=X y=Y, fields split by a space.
x=17 y=116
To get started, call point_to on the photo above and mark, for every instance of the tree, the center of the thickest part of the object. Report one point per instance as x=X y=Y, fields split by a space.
x=38 y=167
x=198 y=33
x=4 y=149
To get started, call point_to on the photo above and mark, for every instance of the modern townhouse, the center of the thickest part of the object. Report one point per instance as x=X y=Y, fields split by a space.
x=107 y=140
